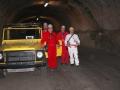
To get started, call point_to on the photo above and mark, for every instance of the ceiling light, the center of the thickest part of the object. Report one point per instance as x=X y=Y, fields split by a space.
x=46 y=4
x=37 y=19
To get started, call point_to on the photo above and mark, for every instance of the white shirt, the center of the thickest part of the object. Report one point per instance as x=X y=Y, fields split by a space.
x=73 y=41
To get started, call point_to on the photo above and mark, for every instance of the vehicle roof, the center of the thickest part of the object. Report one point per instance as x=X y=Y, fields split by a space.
x=23 y=25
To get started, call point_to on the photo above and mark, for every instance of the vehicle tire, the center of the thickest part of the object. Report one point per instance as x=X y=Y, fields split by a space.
x=3 y=73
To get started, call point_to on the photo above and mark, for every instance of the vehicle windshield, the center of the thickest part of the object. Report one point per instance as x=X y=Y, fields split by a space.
x=13 y=34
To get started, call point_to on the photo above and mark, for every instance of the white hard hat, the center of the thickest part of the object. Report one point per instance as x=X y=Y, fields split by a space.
x=50 y=26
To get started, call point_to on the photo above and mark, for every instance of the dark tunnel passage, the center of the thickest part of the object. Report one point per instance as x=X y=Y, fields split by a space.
x=40 y=14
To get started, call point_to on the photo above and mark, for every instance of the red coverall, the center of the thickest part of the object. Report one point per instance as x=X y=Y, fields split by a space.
x=65 y=55
x=51 y=40
x=44 y=34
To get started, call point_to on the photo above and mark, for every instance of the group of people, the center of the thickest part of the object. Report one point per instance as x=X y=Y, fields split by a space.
x=70 y=42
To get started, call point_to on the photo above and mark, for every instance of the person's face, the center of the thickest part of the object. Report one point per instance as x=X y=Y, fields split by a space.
x=45 y=25
x=50 y=29
x=71 y=30
x=63 y=29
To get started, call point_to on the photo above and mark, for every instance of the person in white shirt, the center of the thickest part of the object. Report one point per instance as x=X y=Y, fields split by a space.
x=72 y=41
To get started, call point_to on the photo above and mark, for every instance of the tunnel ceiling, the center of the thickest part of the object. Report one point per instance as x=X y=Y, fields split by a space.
x=36 y=11
x=84 y=14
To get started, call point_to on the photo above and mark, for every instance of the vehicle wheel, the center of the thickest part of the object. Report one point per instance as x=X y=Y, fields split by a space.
x=3 y=73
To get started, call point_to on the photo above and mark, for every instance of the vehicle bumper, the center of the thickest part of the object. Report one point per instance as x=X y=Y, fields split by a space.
x=5 y=66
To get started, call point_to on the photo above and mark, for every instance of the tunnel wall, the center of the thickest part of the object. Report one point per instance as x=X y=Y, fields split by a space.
x=106 y=16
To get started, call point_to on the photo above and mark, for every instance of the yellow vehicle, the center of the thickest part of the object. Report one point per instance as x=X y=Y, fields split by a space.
x=21 y=47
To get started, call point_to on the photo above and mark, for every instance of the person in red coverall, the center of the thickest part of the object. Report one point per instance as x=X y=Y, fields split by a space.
x=45 y=26
x=45 y=30
x=61 y=36
x=44 y=33
x=51 y=42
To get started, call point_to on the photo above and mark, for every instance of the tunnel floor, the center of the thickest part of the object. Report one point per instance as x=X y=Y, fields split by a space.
x=98 y=70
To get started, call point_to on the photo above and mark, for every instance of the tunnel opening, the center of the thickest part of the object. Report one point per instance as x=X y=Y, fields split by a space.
x=40 y=14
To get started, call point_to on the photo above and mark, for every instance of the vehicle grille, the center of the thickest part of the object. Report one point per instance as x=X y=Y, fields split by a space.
x=20 y=56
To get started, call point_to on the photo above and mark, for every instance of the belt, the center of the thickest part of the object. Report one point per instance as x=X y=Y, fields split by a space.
x=73 y=45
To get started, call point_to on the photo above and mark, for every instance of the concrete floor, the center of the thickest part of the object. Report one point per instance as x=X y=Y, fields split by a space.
x=98 y=71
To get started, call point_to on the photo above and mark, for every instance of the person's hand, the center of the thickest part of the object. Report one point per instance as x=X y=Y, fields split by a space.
x=77 y=44
x=58 y=45
x=42 y=45
x=68 y=45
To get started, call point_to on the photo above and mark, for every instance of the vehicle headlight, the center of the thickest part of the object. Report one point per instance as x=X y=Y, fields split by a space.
x=39 y=54
x=1 y=56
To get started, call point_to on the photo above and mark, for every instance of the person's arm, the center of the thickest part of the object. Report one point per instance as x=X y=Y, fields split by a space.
x=42 y=43
x=43 y=40
x=58 y=39
x=66 y=40
x=77 y=40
